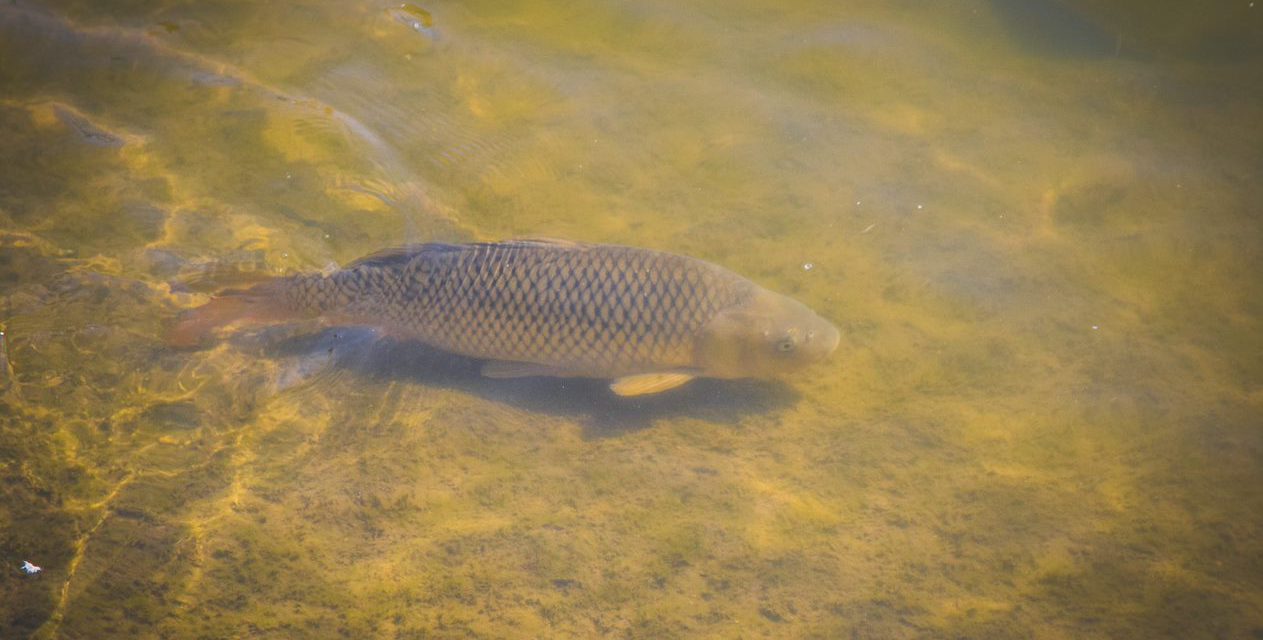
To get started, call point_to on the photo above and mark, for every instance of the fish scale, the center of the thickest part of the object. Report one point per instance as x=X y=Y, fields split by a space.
x=583 y=308
x=648 y=319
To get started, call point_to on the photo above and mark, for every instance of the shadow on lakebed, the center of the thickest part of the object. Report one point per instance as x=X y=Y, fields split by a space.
x=313 y=359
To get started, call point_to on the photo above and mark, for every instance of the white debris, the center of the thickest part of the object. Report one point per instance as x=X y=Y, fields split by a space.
x=29 y=568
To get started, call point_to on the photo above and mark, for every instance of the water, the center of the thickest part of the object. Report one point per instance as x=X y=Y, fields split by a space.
x=1037 y=225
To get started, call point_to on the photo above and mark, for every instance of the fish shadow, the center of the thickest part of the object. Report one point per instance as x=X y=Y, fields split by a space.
x=603 y=414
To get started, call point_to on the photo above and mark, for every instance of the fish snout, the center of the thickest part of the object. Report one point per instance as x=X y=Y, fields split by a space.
x=829 y=340
x=823 y=340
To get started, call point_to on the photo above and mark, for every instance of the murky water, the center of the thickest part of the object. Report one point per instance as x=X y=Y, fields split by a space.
x=1038 y=226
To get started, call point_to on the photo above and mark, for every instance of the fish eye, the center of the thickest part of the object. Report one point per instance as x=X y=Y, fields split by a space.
x=785 y=345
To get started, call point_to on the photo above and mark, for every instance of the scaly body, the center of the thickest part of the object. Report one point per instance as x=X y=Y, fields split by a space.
x=650 y=319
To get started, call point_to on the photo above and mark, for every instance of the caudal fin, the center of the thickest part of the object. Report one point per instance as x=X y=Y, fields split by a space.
x=257 y=305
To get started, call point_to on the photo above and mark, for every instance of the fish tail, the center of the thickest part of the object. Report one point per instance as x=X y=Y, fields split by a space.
x=259 y=304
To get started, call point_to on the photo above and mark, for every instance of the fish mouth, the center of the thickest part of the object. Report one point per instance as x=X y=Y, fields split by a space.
x=831 y=339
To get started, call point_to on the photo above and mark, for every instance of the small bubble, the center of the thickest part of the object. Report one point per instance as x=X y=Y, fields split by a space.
x=807 y=266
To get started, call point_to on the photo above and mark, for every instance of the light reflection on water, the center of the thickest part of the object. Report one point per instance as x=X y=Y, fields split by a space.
x=1035 y=224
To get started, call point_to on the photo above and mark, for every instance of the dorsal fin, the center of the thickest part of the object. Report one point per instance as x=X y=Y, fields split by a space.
x=537 y=241
x=407 y=252
x=400 y=254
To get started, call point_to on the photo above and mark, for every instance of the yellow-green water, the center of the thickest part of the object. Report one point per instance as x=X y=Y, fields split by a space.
x=1038 y=226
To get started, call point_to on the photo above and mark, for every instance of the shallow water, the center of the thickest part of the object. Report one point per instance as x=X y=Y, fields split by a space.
x=1036 y=224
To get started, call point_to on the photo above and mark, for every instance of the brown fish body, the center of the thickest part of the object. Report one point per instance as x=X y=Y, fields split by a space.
x=649 y=319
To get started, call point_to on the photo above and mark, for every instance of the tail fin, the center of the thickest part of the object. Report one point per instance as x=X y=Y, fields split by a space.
x=256 y=305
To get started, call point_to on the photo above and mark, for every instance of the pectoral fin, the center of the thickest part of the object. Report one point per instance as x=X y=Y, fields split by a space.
x=510 y=369
x=646 y=383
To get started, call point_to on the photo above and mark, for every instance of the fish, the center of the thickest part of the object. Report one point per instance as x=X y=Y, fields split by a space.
x=647 y=320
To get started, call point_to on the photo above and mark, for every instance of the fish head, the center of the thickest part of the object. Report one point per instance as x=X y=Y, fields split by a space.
x=765 y=336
